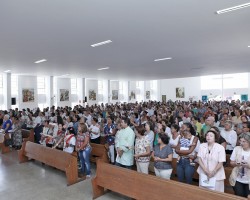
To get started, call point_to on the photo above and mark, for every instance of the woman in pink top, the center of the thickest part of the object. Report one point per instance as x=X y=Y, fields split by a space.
x=211 y=156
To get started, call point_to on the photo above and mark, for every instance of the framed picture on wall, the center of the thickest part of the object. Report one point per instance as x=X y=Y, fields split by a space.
x=64 y=95
x=28 y=95
x=204 y=98
x=180 y=92
x=164 y=98
x=244 y=97
x=132 y=95
x=147 y=94
x=92 y=95
x=114 y=94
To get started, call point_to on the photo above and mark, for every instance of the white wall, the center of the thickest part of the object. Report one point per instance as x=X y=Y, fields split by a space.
x=91 y=85
x=63 y=83
x=192 y=87
x=114 y=85
x=27 y=82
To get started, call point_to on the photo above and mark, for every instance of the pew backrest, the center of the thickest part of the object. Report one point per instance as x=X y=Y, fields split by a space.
x=99 y=151
x=141 y=186
x=52 y=157
x=28 y=135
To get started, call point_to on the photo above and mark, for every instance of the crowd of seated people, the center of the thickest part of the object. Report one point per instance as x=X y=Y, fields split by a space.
x=194 y=133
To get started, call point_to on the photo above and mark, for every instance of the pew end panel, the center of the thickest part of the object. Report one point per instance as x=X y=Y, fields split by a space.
x=21 y=154
x=72 y=172
x=4 y=149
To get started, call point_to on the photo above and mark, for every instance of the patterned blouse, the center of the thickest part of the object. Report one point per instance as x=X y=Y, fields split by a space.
x=80 y=140
x=140 y=148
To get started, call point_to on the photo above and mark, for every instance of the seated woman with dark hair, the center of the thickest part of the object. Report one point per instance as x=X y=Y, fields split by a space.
x=163 y=155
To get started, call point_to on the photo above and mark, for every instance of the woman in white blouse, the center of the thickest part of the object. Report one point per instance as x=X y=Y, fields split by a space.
x=230 y=136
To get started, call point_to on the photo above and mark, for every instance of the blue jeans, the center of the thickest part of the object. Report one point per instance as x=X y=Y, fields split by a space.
x=185 y=170
x=85 y=160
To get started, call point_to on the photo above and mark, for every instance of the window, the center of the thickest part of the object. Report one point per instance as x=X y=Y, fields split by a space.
x=41 y=85
x=73 y=86
x=235 y=80
x=120 y=86
x=100 y=87
x=14 y=85
x=224 y=81
x=1 y=81
x=1 y=84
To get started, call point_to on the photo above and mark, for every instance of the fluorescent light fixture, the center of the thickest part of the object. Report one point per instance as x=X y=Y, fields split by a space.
x=233 y=8
x=103 y=68
x=65 y=75
x=7 y=71
x=161 y=59
x=40 y=61
x=101 y=43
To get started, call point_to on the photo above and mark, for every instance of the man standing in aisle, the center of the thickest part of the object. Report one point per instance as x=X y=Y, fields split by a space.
x=125 y=146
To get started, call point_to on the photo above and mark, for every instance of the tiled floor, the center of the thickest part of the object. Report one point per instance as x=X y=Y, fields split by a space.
x=34 y=181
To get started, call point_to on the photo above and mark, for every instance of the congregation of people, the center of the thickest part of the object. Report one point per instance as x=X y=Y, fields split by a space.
x=138 y=134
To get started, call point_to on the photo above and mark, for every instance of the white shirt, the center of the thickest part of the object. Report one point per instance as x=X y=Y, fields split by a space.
x=72 y=143
x=89 y=119
x=38 y=120
x=150 y=136
x=230 y=137
x=174 y=142
x=150 y=112
x=168 y=131
x=95 y=129
x=242 y=178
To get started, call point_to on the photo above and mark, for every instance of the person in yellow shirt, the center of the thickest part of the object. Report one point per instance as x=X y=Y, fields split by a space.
x=197 y=124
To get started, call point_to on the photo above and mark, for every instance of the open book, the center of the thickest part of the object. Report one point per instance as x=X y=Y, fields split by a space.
x=207 y=182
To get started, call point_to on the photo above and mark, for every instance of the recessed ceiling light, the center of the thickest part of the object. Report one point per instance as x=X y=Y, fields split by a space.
x=161 y=59
x=40 y=61
x=248 y=46
x=7 y=71
x=103 y=68
x=233 y=8
x=101 y=43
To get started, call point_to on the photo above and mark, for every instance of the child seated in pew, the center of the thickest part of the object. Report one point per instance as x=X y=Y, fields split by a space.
x=186 y=145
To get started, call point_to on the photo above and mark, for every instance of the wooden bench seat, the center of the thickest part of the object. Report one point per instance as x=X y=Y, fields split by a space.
x=4 y=149
x=52 y=157
x=28 y=135
x=99 y=151
x=141 y=186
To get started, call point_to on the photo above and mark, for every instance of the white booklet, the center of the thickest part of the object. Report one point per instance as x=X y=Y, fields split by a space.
x=207 y=182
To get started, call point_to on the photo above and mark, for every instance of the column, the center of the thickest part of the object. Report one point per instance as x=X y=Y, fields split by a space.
x=109 y=92
x=81 y=90
x=7 y=90
x=50 y=97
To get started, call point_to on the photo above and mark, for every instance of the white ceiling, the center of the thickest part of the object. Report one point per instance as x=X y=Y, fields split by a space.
x=61 y=31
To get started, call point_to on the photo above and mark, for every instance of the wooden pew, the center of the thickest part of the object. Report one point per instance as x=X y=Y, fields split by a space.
x=99 y=151
x=52 y=157
x=28 y=135
x=141 y=186
x=4 y=149
x=228 y=187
